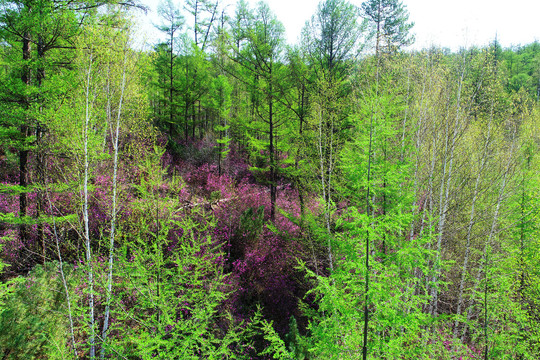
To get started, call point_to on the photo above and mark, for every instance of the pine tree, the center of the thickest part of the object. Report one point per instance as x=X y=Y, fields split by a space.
x=389 y=24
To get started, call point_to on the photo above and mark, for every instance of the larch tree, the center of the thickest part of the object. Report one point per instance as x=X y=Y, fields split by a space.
x=331 y=43
x=260 y=69
x=41 y=37
x=166 y=63
x=45 y=30
x=221 y=102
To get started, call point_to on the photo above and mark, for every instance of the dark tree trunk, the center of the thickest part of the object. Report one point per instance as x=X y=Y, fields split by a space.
x=40 y=165
x=23 y=152
x=272 y=155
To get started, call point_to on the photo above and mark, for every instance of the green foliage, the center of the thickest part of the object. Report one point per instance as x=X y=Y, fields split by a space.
x=170 y=286
x=522 y=65
x=389 y=24
x=331 y=38
x=295 y=343
x=176 y=295
x=258 y=332
x=251 y=223
x=394 y=330
x=32 y=316
x=315 y=122
x=220 y=93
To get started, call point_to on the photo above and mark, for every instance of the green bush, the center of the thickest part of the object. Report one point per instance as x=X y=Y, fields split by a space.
x=33 y=323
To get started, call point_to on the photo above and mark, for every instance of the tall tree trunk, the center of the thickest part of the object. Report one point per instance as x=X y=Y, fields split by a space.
x=171 y=86
x=115 y=137
x=471 y=224
x=491 y=233
x=445 y=190
x=85 y=213
x=64 y=282
x=324 y=186
x=23 y=152
x=366 y=290
x=272 y=150
x=40 y=159
x=297 y=160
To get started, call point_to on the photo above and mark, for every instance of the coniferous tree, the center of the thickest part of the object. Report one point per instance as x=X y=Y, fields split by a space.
x=259 y=57
x=166 y=64
x=389 y=24
x=221 y=102
x=331 y=43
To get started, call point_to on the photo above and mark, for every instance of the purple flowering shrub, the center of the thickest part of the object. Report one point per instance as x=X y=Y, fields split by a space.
x=259 y=262
x=257 y=259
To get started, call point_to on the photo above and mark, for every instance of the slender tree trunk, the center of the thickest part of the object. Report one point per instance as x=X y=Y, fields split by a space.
x=40 y=159
x=297 y=160
x=445 y=189
x=23 y=153
x=404 y=127
x=85 y=214
x=417 y=159
x=113 y=215
x=64 y=282
x=471 y=224
x=193 y=119
x=378 y=34
x=492 y=231
x=324 y=187
x=220 y=147
x=486 y=347
x=522 y=229
x=431 y=209
x=272 y=150
x=367 y=269
x=171 y=86
x=186 y=123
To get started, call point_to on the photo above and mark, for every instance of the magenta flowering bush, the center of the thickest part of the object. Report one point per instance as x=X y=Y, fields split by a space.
x=264 y=276
x=257 y=261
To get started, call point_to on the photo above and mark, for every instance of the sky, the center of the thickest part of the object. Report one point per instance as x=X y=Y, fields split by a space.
x=451 y=24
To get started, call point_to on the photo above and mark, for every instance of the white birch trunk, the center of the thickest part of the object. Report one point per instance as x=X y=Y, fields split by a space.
x=85 y=213
x=324 y=189
x=491 y=232
x=64 y=282
x=445 y=189
x=113 y=215
x=471 y=224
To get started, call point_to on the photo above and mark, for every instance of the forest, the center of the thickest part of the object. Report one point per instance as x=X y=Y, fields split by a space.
x=226 y=195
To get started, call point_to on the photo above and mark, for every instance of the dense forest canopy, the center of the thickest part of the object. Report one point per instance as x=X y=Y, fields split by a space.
x=228 y=196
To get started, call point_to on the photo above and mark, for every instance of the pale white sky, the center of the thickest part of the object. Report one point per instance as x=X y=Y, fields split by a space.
x=452 y=24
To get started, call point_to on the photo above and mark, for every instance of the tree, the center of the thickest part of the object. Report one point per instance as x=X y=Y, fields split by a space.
x=103 y=91
x=297 y=98
x=332 y=38
x=204 y=14
x=166 y=62
x=221 y=101
x=193 y=83
x=361 y=310
x=389 y=24
x=42 y=28
x=47 y=31
x=259 y=59
x=331 y=41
